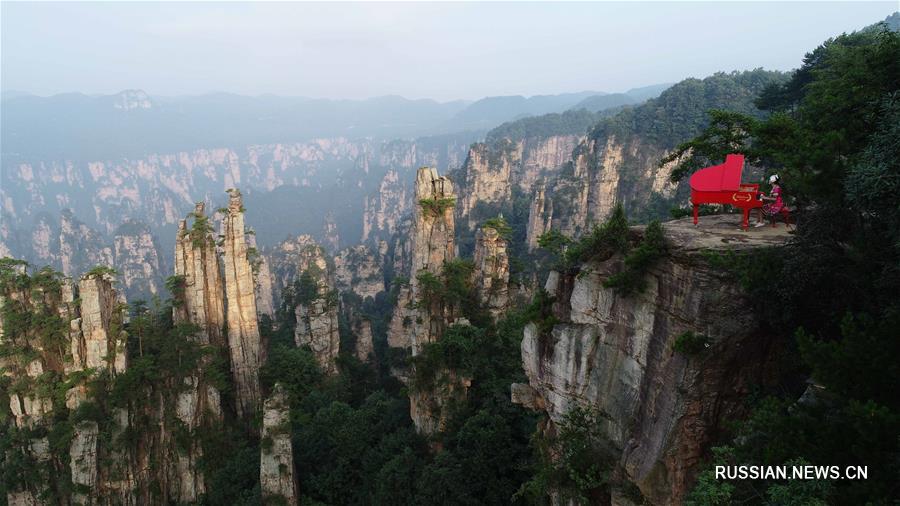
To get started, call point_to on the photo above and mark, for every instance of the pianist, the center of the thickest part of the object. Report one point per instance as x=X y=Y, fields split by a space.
x=773 y=202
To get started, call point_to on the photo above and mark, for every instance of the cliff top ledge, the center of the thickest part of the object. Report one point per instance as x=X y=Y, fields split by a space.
x=723 y=231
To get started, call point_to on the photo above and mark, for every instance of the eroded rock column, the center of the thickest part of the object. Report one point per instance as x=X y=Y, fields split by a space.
x=199 y=268
x=433 y=244
x=277 y=477
x=491 y=274
x=317 y=308
x=243 y=328
x=540 y=215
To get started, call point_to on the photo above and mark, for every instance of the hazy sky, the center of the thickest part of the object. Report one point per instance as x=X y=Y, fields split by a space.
x=418 y=50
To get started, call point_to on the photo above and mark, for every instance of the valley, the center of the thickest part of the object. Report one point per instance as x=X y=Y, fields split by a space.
x=239 y=300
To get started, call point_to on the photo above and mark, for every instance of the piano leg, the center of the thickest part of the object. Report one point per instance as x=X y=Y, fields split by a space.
x=745 y=225
x=696 y=211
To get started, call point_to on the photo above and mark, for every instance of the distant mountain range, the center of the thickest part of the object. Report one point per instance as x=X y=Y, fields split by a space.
x=132 y=123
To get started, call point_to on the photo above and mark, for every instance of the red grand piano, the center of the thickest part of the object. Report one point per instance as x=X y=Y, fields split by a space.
x=721 y=184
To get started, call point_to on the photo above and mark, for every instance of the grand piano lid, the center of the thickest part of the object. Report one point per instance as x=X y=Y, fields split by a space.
x=724 y=177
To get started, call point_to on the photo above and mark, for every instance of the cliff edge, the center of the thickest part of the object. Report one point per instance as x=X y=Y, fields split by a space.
x=616 y=355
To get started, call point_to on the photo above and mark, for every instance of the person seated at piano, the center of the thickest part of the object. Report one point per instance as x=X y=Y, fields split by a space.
x=773 y=202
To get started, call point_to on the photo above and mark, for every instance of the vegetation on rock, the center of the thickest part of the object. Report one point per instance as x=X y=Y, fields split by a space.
x=436 y=207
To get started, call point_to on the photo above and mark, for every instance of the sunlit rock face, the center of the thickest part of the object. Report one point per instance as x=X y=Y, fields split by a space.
x=100 y=344
x=199 y=265
x=241 y=315
x=659 y=408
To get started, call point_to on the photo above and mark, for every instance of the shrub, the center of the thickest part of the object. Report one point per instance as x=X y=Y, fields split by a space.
x=436 y=207
x=690 y=343
x=500 y=225
x=632 y=279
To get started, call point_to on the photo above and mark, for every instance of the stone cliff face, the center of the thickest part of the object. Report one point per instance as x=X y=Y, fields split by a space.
x=384 y=209
x=331 y=239
x=137 y=258
x=540 y=216
x=241 y=316
x=200 y=299
x=365 y=347
x=429 y=409
x=311 y=279
x=488 y=178
x=198 y=264
x=359 y=270
x=432 y=245
x=495 y=169
x=277 y=477
x=89 y=341
x=415 y=323
x=317 y=327
x=262 y=275
x=83 y=340
x=289 y=259
x=659 y=408
x=100 y=344
x=491 y=274
x=72 y=247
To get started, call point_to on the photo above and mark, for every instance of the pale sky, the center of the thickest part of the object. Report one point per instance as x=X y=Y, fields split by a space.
x=442 y=51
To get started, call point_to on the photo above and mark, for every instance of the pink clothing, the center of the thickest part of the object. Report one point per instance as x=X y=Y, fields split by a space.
x=773 y=208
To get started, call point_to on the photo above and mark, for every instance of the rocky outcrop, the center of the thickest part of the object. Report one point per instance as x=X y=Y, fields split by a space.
x=491 y=273
x=241 y=316
x=80 y=247
x=293 y=256
x=659 y=408
x=359 y=270
x=137 y=258
x=317 y=327
x=487 y=178
x=382 y=212
x=415 y=321
x=262 y=275
x=277 y=477
x=540 y=216
x=365 y=347
x=200 y=296
x=495 y=169
x=200 y=300
x=330 y=237
x=82 y=338
x=99 y=342
x=316 y=309
x=432 y=245
x=429 y=408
